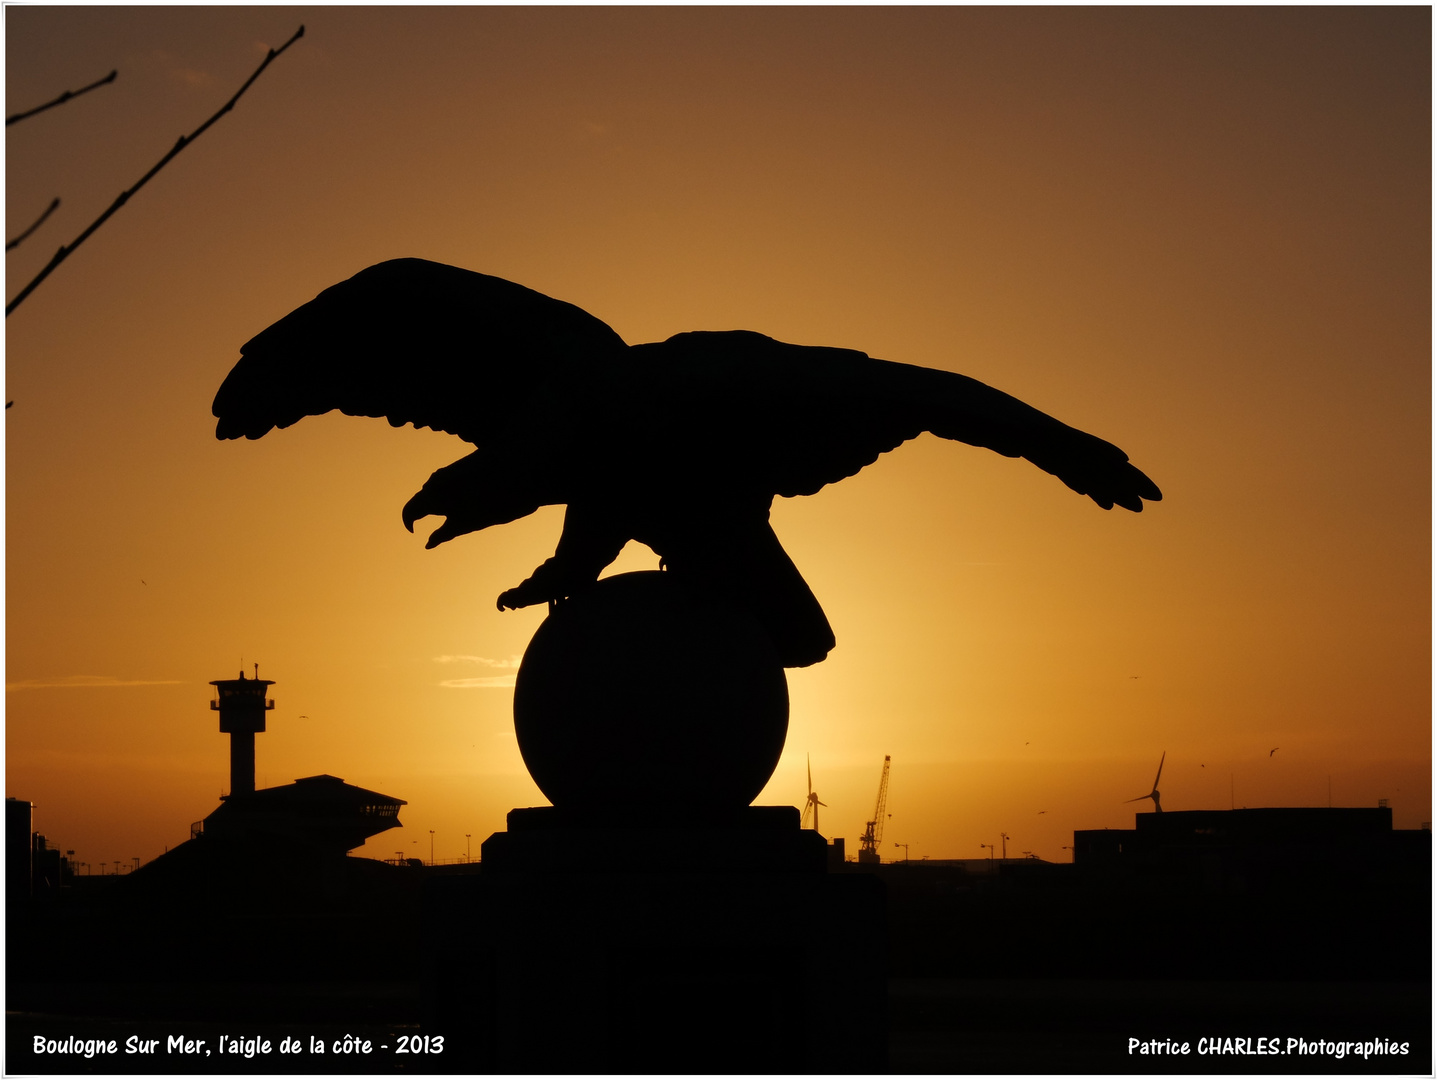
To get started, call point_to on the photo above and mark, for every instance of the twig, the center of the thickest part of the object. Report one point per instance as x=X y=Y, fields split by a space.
x=124 y=196
x=38 y=222
x=66 y=96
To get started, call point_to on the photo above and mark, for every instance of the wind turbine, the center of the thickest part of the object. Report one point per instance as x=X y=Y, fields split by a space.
x=812 y=804
x=1155 y=795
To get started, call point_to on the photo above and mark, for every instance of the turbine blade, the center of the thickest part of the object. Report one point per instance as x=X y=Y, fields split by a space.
x=1160 y=770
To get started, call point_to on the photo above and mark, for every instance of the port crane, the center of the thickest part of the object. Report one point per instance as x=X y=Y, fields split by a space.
x=868 y=842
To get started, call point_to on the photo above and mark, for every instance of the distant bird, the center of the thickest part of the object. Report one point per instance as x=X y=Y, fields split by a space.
x=144 y=582
x=681 y=444
x=1041 y=812
x=1274 y=750
x=1155 y=795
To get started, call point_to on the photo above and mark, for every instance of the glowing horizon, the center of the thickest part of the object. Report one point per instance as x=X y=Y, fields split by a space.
x=1201 y=234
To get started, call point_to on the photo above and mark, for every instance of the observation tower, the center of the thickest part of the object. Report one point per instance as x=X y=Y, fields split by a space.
x=242 y=704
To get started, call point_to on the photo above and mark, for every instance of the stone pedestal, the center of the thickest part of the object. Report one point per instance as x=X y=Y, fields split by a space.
x=722 y=946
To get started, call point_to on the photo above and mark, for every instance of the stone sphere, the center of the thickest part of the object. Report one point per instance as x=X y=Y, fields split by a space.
x=643 y=692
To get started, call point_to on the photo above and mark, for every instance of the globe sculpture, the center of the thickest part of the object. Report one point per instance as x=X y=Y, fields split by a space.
x=641 y=690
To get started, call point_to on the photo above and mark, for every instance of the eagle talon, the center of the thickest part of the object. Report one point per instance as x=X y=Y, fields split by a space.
x=516 y=598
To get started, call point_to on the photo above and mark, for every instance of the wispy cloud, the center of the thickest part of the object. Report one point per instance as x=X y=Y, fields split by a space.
x=191 y=77
x=175 y=68
x=481 y=681
x=71 y=682
x=512 y=662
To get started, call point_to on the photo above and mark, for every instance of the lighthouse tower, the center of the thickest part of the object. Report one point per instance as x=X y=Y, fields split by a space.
x=241 y=704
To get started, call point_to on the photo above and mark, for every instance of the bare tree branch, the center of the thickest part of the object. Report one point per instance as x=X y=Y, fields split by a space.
x=66 y=96
x=124 y=196
x=38 y=222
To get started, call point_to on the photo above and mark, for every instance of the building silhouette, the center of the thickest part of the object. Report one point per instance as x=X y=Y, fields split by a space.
x=316 y=811
x=1262 y=849
x=319 y=812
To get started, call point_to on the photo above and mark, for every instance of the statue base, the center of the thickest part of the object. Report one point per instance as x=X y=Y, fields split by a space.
x=622 y=945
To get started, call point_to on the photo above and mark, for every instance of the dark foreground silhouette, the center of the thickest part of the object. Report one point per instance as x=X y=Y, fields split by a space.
x=681 y=444
x=1016 y=967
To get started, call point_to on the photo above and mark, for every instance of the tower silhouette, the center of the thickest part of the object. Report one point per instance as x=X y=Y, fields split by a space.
x=242 y=704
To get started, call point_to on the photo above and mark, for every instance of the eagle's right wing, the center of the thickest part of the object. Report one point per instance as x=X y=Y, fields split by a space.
x=793 y=418
x=417 y=342
x=960 y=408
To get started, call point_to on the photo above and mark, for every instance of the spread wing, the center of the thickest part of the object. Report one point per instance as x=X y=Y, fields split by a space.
x=813 y=416
x=414 y=341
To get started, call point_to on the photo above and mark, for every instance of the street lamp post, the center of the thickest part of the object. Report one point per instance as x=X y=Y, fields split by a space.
x=467 y=857
x=431 y=847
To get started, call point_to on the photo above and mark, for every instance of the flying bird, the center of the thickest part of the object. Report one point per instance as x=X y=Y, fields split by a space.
x=679 y=444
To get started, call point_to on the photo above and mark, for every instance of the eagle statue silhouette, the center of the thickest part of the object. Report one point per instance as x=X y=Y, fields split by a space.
x=679 y=444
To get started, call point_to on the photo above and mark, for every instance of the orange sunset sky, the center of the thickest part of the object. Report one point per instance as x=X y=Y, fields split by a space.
x=1202 y=234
